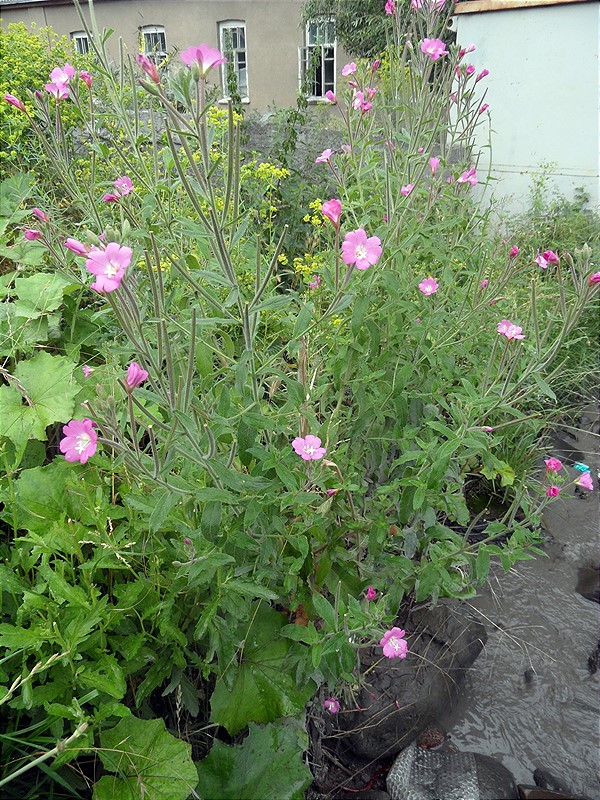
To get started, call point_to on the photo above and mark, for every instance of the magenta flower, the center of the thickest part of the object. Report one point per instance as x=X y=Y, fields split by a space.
x=62 y=74
x=332 y=705
x=406 y=190
x=510 y=330
x=37 y=212
x=14 y=101
x=370 y=594
x=349 y=69
x=594 y=278
x=553 y=465
x=309 y=448
x=464 y=50
x=330 y=96
x=359 y=102
x=586 y=482
x=483 y=108
x=394 y=644
x=469 y=70
x=87 y=371
x=332 y=209
x=470 y=176
x=315 y=283
x=433 y=165
x=76 y=247
x=85 y=76
x=359 y=250
x=551 y=257
x=390 y=7
x=552 y=491
x=32 y=235
x=429 y=286
x=375 y=65
x=109 y=266
x=484 y=284
x=420 y=149
x=59 y=91
x=482 y=75
x=541 y=261
x=135 y=376
x=325 y=157
x=80 y=440
x=433 y=48
x=204 y=57
x=123 y=186
x=514 y=251
x=110 y=197
x=345 y=148
x=149 y=67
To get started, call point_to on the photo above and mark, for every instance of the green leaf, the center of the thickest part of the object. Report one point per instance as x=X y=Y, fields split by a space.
x=150 y=762
x=325 y=610
x=269 y=765
x=263 y=687
x=41 y=292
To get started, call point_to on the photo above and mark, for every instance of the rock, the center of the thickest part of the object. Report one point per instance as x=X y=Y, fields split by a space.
x=403 y=697
x=588 y=582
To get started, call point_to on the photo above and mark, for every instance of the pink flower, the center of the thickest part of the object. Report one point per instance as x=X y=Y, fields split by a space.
x=514 y=251
x=315 y=283
x=553 y=465
x=406 y=190
x=124 y=186
x=204 y=57
x=394 y=644
x=62 y=74
x=433 y=48
x=332 y=209
x=309 y=448
x=551 y=257
x=332 y=705
x=541 y=261
x=484 y=284
x=109 y=266
x=76 y=247
x=149 y=67
x=80 y=442
x=37 y=212
x=586 y=482
x=420 y=149
x=331 y=492
x=349 y=69
x=110 y=197
x=14 y=101
x=464 y=50
x=359 y=102
x=390 y=7
x=345 y=148
x=470 y=176
x=32 y=235
x=370 y=594
x=429 y=286
x=433 y=165
x=325 y=157
x=487 y=429
x=85 y=76
x=483 y=108
x=482 y=75
x=510 y=330
x=59 y=91
x=135 y=376
x=469 y=70
x=375 y=65
x=359 y=250
x=552 y=491
x=87 y=371
x=331 y=97
x=594 y=278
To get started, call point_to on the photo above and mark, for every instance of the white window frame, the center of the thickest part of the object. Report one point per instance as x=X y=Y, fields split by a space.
x=79 y=38
x=154 y=53
x=239 y=53
x=319 y=34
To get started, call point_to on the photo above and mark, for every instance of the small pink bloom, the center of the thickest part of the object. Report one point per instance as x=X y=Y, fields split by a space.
x=406 y=190
x=359 y=250
x=510 y=330
x=331 y=705
x=32 y=235
x=85 y=76
x=76 y=247
x=315 y=283
x=309 y=448
x=332 y=209
x=541 y=261
x=59 y=91
x=484 y=284
x=497 y=300
x=14 y=101
x=109 y=266
x=394 y=644
x=464 y=50
x=586 y=482
x=429 y=286
x=37 y=212
x=390 y=7
x=370 y=594
x=359 y=102
x=433 y=48
x=149 y=67
x=87 y=371
x=553 y=465
x=203 y=56
x=420 y=149
x=371 y=92
x=331 y=97
x=80 y=440
x=375 y=65
x=594 y=278
x=123 y=186
x=483 y=108
x=514 y=251
x=325 y=157
x=349 y=69
x=345 y=148
x=469 y=70
x=62 y=74
x=552 y=491
x=135 y=376
x=110 y=197
x=433 y=165
x=551 y=257
x=470 y=177
x=331 y=492
x=457 y=71
x=187 y=540
x=482 y=75
x=487 y=429
x=385 y=218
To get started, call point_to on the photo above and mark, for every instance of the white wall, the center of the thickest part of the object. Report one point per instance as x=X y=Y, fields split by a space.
x=544 y=94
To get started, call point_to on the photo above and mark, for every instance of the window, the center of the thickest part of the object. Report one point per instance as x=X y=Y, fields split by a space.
x=81 y=42
x=154 y=43
x=232 y=38
x=317 y=58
